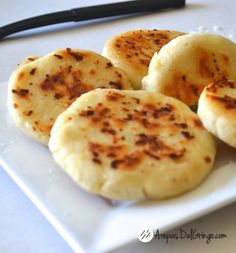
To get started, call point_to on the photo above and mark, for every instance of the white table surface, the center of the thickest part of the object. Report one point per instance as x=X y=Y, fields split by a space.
x=23 y=229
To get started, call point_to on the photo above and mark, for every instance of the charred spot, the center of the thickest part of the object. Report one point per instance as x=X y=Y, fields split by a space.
x=220 y=84
x=111 y=151
x=145 y=62
x=78 y=89
x=31 y=59
x=32 y=71
x=77 y=56
x=106 y=124
x=111 y=155
x=187 y=135
x=229 y=102
x=15 y=105
x=175 y=156
x=109 y=65
x=129 y=42
x=151 y=34
x=114 y=96
x=108 y=130
x=137 y=100
x=142 y=112
x=231 y=85
x=97 y=160
x=129 y=117
x=21 y=92
x=225 y=59
x=86 y=113
x=172 y=117
x=207 y=159
x=95 y=147
x=116 y=163
x=48 y=82
x=118 y=74
x=29 y=113
x=157 y=41
x=117 y=45
x=162 y=36
x=125 y=109
x=155 y=114
x=182 y=125
x=150 y=154
x=96 y=115
x=92 y=72
x=69 y=68
x=60 y=57
x=61 y=88
x=103 y=111
x=58 y=96
x=145 y=123
x=128 y=161
x=95 y=154
x=162 y=110
x=115 y=85
x=152 y=141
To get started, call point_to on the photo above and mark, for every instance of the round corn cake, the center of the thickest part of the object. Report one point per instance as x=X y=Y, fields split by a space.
x=217 y=110
x=132 y=51
x=132 y=145
x=40 y=89
x=187 y=64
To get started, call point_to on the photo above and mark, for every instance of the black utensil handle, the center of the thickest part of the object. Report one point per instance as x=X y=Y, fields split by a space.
x=91 y=12
x=121 y=8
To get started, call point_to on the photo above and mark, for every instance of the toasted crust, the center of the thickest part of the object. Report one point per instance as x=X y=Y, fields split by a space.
x=184 y=66
x=132 y=145
x=217 y=110
x=132 y=51
x=39 y=90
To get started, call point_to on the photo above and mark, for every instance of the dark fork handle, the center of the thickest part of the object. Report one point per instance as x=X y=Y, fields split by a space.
x=91 y=12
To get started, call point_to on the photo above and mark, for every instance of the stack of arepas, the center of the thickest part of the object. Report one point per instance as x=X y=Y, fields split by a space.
x=120 y=124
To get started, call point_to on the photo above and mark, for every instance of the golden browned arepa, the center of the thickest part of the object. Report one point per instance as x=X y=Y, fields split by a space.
x=132 y=145
x=39 y=90
x=187 y=64
x=217 y=110
x=132 y=51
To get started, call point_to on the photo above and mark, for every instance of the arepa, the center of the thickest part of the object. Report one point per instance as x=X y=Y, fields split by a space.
x=217 y=110
x=132 y=145
x=187 y=64
x=132 y=51
x=41 y=89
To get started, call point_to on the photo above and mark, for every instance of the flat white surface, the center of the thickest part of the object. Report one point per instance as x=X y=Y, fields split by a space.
x=22 y=227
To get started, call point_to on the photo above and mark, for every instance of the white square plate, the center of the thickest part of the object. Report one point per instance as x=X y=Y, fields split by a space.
x=90 y=223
